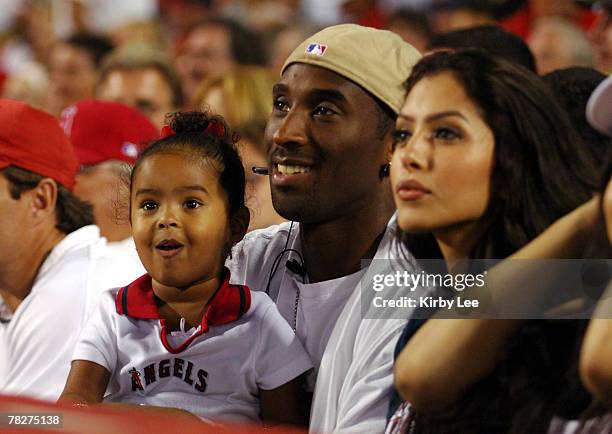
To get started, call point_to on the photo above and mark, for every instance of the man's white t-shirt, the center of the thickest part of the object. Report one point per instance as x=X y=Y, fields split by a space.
x=319 y=304
x=214 y=371
x=353 y=355
x=38 y=339
x=324 y=299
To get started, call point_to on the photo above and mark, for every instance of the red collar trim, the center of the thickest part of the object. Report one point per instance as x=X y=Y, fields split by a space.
x=229 y=303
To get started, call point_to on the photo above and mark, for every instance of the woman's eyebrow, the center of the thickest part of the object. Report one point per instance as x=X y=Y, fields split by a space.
x=436 y=116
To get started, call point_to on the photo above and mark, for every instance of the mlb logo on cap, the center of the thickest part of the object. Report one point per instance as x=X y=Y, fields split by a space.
x=316 y=49
x=130 y=150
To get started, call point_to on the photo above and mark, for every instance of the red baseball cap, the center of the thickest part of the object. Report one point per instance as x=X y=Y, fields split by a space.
x=33 y=140
x=104 y=130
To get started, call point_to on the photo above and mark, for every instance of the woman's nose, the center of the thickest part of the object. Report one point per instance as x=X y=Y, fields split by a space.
x=416 y=154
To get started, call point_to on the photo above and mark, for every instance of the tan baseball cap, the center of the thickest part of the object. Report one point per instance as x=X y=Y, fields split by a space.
x=377 y=60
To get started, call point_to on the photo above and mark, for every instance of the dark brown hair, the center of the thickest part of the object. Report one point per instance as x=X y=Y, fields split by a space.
x=193 y=134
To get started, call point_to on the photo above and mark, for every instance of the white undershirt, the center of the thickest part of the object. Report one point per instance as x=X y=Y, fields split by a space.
x=319 y=307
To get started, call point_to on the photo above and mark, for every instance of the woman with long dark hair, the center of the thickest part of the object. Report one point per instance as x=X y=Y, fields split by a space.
x=484 y=162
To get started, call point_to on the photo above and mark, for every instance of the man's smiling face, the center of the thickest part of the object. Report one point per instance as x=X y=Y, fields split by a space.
x=325 y=145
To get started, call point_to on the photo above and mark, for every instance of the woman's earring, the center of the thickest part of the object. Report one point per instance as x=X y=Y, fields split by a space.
x=384 y=171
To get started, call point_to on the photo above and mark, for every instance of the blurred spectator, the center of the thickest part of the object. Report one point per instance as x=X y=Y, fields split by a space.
x=215 y=46
x=321 y=12
x=492 y=39
x=180 y=16
x=367 y=13
x=141 y=77
x=29 y=83
x=558 y=43
x=10 y=10
x=412 y=26
x=451 y=15
x=103 y=16
x=139 y=32
x=601 y=36
x=73 y=66
x=572 y=88
x=37 y=26
x=263 y=15
x=285 y=42
x=106 y=135
x=242 y=97
x=548 y=8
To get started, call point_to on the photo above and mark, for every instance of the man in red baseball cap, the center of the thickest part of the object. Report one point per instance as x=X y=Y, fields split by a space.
x=106 y=135
x=53 y=262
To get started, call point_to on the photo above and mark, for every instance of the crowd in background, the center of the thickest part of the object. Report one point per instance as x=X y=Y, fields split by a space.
x=55 y=52
x=161 y=56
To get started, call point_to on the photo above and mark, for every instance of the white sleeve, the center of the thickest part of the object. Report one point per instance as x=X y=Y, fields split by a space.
x=38 y=358
x=364 y=400
x=279 y=355
x=98 y=340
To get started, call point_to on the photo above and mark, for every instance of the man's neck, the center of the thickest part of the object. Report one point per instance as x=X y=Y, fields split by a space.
x=17 y=277
x=334 y=249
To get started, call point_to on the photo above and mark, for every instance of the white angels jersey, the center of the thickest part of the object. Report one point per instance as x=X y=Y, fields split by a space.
x=214 y=371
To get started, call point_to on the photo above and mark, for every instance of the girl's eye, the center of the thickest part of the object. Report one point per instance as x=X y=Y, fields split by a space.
x=400 y=137
x=446 y=134
x=148 y=205
x=192 y=204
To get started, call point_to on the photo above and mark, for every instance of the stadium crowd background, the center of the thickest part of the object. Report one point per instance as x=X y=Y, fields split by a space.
x=51 y=51
x=161 y=56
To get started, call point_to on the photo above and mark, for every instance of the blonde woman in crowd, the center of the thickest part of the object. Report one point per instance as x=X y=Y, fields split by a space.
x=242 y=96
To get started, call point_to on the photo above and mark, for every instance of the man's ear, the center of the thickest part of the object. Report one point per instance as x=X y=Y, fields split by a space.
x=389 y=144
x=239 y=223
x=42 y=198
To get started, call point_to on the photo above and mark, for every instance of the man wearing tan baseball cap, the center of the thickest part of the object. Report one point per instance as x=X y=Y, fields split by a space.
x=329 y=139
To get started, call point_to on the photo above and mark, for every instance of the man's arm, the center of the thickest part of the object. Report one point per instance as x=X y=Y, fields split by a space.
x=359 y=379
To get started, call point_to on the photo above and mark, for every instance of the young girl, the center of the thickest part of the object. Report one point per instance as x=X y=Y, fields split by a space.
x=181 y=336
x=484 y=161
